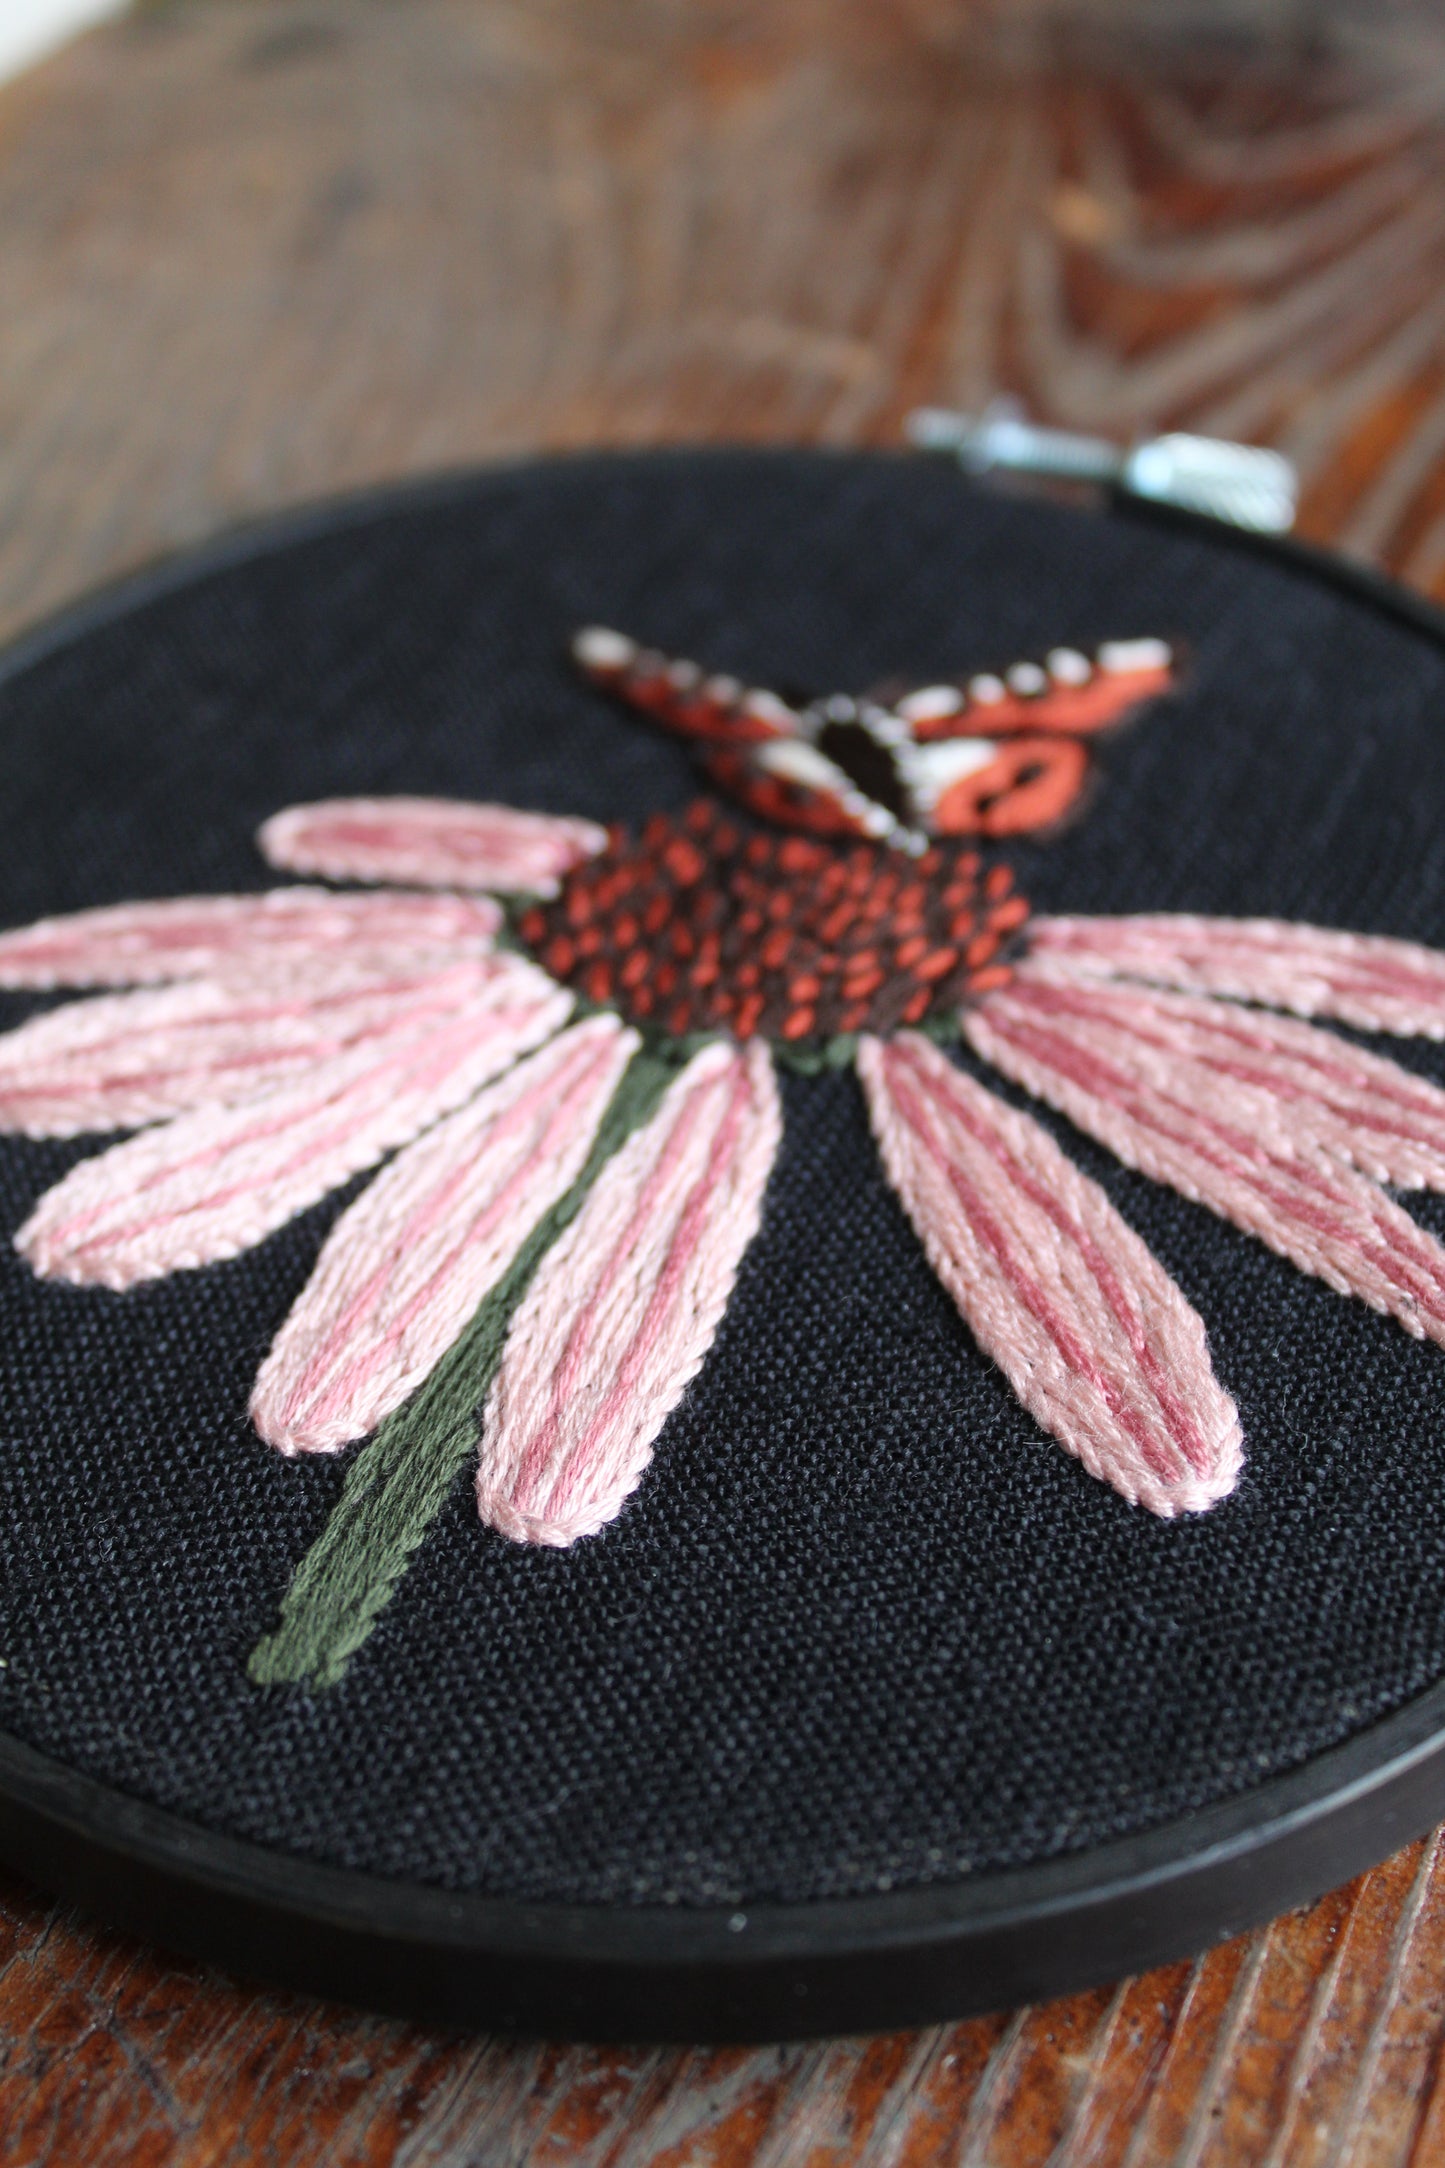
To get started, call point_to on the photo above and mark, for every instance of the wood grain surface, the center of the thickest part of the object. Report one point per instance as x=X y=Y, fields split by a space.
x=256 y=250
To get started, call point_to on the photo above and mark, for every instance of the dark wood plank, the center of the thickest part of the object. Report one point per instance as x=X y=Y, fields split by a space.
x=254 y=250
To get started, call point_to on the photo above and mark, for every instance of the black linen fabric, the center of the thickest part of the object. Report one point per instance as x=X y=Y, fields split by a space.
x=863 y=1625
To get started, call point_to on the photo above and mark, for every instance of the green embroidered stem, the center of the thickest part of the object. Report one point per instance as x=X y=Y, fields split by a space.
x=400 y=1479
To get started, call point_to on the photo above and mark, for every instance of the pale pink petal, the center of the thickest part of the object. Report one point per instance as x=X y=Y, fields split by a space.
x=117 y=1061
x=1322 y=1214
x=1087 y=1326
x=439 y=842
x=625 y=1306
x=404 y=1268
x=145 y=944
x=1305 y=1088
x=1367 y=980
x=214 y=1182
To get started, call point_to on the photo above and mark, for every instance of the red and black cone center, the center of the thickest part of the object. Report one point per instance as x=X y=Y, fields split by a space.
x=696 y=925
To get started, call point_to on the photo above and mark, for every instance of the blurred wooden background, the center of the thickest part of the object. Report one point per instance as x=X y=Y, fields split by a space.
x=256 y=250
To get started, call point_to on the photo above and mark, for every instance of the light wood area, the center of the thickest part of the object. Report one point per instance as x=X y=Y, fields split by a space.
x=253 y=251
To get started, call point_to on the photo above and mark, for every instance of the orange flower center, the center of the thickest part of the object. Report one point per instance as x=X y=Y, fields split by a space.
x=697 y=925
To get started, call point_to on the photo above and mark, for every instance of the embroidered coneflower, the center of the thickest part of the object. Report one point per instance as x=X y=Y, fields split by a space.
x=562 y=1040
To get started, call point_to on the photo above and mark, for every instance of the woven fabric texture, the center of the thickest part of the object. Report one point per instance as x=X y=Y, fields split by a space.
x=864 y=1627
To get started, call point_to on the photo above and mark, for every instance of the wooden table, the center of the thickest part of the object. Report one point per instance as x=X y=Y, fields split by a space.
x=251 y=252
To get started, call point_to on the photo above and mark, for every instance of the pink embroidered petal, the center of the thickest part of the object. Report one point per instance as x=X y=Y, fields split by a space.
x=117 y=1061
x=1306 y=1088
x=436 y=841
x=143 y=944
x=1093 y=1335
x=1322 y=1214
x=404 y=1269
x=1362 y=979
x=212 y=1183
x=624 y=1308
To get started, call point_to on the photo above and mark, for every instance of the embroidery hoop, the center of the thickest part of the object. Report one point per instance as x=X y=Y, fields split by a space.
x=745 y=1971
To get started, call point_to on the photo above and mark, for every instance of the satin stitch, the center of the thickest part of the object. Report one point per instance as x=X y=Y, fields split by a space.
x=562 y=1040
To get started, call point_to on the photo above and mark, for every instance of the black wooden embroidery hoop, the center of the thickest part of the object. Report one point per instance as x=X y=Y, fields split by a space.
x=772 y=1972
x=764 y=1971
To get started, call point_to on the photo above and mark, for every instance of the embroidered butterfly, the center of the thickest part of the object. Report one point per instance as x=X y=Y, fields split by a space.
x=997 y=756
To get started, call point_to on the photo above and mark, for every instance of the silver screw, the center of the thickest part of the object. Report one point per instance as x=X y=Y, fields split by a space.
x=1243 y=484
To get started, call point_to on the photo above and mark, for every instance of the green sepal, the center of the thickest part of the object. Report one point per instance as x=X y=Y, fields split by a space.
x=815 y=1060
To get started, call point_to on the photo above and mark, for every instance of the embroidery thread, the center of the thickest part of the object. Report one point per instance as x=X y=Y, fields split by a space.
x=572 y=1079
